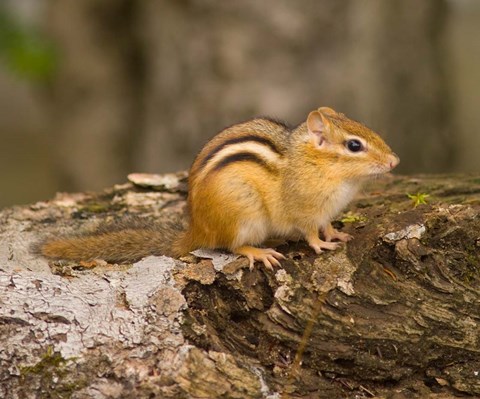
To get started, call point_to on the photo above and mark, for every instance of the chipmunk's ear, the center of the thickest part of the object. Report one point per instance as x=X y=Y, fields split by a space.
x=327 y=111
x=318 y=128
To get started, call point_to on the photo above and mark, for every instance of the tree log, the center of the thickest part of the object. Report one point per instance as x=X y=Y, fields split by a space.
x=393 y=313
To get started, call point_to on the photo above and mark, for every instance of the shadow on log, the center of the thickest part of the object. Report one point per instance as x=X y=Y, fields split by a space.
x=394 y=313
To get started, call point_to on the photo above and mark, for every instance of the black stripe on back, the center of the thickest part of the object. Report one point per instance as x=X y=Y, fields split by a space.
x=243 y=157
x=236 y=140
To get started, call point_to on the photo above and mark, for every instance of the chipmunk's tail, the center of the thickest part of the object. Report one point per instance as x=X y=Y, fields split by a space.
x=122 y=242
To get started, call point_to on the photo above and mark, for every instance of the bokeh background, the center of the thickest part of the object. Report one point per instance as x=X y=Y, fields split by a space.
x=91 y=90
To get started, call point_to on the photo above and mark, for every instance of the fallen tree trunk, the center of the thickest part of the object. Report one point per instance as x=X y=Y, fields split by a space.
x=394 y=312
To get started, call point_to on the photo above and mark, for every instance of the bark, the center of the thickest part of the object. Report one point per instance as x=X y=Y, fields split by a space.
x=394 y=313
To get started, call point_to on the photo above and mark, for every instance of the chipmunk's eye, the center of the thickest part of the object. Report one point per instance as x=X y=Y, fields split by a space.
x=354 y=145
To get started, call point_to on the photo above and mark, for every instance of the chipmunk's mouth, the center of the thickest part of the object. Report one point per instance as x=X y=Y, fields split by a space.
x=386 y=166
x=381 y=169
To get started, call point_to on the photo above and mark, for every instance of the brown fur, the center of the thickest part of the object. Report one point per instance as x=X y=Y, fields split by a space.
x=252 y=180
x=123 y=242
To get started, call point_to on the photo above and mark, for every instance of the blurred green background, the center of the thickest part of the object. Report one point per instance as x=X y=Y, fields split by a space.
x=92 y=90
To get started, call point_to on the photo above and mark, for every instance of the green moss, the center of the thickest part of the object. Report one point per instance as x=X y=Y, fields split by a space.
x=471 y=271
x=418 y=199
x=353 y=218
x=96 y=207
x=48 y=361
x=53 y=376
x=475 y=181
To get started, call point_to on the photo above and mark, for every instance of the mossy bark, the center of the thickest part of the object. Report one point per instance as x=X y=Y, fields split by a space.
x=393 y=313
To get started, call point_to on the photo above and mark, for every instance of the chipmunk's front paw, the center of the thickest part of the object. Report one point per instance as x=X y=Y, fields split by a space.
x=333 y=234
x=318 y=245
x=338 y=235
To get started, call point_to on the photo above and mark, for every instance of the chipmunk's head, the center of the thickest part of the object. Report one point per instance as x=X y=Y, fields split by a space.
x=354 y=149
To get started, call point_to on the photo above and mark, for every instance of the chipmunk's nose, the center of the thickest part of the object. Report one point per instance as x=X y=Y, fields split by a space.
x=394 y=161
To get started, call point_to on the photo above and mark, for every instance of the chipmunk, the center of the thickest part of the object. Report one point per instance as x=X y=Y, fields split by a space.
x=252 y=181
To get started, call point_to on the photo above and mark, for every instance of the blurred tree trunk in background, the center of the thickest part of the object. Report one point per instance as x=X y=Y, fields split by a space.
x=214 y=63
x=398 y=75
x=95 y=100
x=143 y=84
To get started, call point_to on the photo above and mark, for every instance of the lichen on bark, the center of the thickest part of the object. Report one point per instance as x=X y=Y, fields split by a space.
x=394 y=310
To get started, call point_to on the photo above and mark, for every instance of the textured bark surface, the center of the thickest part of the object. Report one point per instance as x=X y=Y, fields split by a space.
x=394 y=313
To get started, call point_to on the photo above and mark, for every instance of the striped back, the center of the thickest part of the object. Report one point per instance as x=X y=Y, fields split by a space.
x=252 y=142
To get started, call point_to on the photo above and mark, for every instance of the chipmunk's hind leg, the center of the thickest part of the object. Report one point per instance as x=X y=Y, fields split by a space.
x=252 y=230
x=268 y=256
